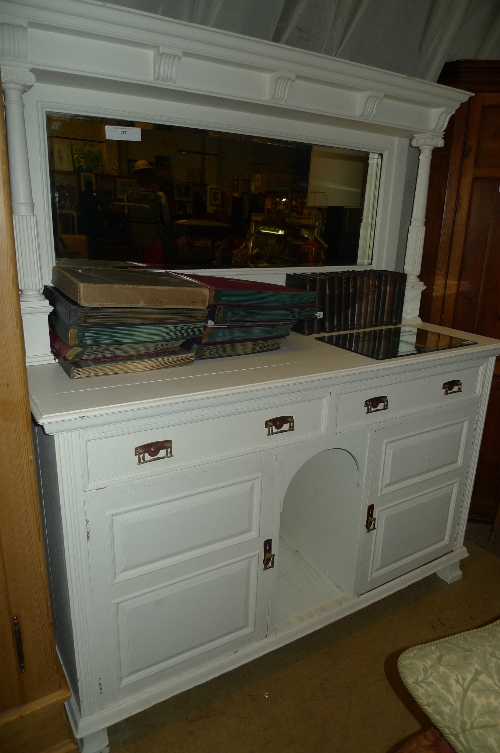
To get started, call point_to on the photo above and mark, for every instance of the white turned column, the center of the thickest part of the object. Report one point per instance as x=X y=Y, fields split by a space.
x=415 y=244
x=34 y=306
x=367 y=229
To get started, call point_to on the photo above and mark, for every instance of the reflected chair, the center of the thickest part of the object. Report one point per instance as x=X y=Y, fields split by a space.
x=456 y=681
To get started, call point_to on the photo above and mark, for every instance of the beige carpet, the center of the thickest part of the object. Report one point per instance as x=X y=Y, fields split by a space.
x=335 y=691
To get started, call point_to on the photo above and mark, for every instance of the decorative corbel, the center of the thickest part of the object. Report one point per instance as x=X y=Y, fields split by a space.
x=279 y=86
x=368 y=102
x=442 y=114
x=166 y=65
x=426 y=142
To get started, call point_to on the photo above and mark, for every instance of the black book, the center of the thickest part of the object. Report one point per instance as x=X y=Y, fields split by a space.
x=353 y=292
x=372 y=277
x=383 y=296
x=376 y=299
x=331 y=302
x=320 y=302
x=399 y=298
x=360 y=292
x=389 y=299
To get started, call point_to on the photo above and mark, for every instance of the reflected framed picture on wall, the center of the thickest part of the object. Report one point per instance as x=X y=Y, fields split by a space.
x=215 y=197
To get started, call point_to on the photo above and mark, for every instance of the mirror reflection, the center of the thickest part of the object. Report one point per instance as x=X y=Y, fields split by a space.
x=191 y=198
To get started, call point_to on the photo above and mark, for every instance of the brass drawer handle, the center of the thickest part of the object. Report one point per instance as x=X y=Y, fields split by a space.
x=374 y=404
x=453 y=386
x=275 y=425
x=152 y=450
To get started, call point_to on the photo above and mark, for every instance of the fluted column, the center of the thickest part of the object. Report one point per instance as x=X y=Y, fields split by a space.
x=416 y=233
x=16 y=81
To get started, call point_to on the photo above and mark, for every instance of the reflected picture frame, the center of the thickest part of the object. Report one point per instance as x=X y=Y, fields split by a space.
x=215 y=197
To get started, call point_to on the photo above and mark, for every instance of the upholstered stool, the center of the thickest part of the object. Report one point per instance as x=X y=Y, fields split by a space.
x=456 y=681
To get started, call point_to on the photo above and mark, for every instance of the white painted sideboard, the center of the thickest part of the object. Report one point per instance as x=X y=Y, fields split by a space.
x=187 y=533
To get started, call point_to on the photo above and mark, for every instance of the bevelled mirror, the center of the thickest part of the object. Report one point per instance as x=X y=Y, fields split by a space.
x=192 y=198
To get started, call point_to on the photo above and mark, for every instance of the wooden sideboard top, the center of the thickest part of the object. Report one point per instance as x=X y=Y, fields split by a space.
x=59 y=403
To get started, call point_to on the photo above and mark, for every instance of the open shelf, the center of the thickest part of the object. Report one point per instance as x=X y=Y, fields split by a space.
x=302 y=590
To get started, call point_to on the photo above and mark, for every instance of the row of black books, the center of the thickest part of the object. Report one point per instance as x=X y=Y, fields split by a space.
x=109 y=321
x=351 y=300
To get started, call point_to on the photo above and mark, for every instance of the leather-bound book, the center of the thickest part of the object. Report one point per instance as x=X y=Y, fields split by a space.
x=245 y=331
x=320 y=303
x=353 y=295
x=383 y=274
x=365 y=299
x=224 y=350
x=75 y=315
x=139 y=288
x=370 y=298
x=77 y=369
x=358 y=304
x=110 y=350
x=399 y=298
x=103 y=334
x=221 y=314
x=389 y=299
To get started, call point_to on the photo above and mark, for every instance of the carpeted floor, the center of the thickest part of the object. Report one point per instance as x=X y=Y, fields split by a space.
x=335 y=691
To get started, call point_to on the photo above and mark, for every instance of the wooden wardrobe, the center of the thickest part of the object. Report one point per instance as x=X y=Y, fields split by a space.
x=461 y=259
x=32 y=687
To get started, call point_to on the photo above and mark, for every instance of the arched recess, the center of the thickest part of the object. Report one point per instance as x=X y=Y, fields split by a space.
x=319 y=536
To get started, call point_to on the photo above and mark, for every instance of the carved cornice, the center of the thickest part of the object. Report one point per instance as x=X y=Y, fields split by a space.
x=427 y=140
x=17 y=78
x=166 y=65
x=13 y=41
x=279 y=86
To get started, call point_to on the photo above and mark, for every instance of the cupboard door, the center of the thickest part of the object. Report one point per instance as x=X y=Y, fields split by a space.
x=177 y=573
x=416 y=485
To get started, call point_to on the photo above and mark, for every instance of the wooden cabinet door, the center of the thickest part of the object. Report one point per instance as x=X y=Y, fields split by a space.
x=417 y=477
x=177 y=573
x=461 y=262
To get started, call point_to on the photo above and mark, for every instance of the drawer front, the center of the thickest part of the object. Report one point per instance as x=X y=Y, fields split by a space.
x=382 y=401
x=157 y=449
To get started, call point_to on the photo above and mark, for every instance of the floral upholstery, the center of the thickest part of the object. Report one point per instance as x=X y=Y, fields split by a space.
x=456 y=681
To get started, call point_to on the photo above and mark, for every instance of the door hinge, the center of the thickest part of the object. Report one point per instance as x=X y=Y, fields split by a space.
x=268 y=554
x=370 y=520
x=19 y=644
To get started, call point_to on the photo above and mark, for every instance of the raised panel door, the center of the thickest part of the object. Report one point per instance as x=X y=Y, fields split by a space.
x=417 y=478
x=177 y=572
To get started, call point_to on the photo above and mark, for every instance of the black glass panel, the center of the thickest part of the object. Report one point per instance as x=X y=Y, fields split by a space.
x=394 y=342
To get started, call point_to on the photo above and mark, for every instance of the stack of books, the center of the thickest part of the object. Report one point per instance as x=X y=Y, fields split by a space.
x=112 y=321
x=352 y=300
x=247 y=317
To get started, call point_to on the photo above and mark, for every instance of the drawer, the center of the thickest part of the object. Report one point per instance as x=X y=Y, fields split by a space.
x=379 y=400
x=191 y=439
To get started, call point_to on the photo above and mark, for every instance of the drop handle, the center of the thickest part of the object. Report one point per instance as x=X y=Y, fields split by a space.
x=375 y=404
x=148 y=453
x=275 y=425
x=452 y=387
